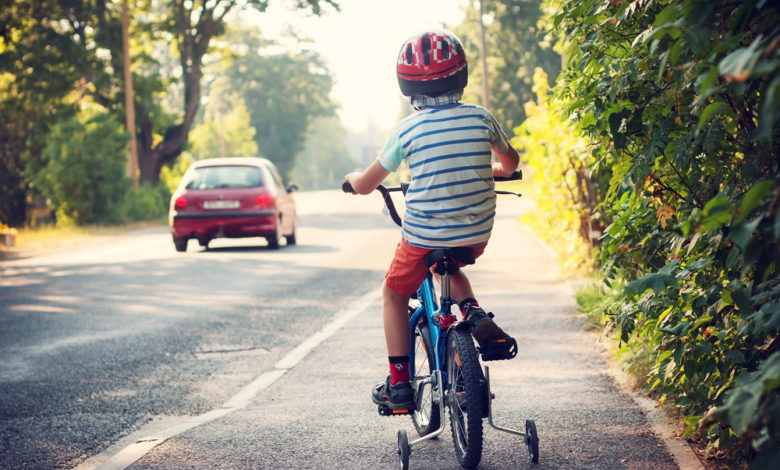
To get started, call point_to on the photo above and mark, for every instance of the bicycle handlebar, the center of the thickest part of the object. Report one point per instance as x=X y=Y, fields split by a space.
x=347 y=188
x=516 y=175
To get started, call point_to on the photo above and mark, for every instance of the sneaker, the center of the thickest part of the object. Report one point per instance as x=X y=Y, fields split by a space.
x=494 y=343
x=396 y=397
x=484 y=329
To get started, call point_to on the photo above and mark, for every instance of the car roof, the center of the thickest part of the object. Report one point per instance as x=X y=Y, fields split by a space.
x=226 y=161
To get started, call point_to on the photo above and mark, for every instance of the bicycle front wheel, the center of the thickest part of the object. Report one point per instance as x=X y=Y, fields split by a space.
x=426 y=417
x=464 y=397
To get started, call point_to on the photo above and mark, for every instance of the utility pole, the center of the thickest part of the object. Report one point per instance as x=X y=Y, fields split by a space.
x=483 y=53
x=129 y=102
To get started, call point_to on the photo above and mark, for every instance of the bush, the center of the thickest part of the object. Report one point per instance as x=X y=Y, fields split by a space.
x=684 y=100
x=557 y=160
x=83 y=170
x=145 y=203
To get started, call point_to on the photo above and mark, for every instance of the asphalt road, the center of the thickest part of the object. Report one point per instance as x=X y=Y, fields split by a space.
x=122 y=353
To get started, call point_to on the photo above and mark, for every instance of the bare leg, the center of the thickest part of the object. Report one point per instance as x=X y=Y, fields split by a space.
x=396 y=319
x=460 y=287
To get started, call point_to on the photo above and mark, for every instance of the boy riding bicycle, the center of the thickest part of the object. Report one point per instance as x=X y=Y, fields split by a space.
x=450 y=201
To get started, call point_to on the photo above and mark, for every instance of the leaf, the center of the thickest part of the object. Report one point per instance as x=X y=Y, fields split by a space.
x=753 y=197
x=664 y=213
x=667 y=15
x=741 y=407
x=769 y=109
x=656 y=281
x=700 y=263
x=709 y=111
x=777 y=226
x=738 y=65
x=740 y=234
x=735 y=357
x=716 y=213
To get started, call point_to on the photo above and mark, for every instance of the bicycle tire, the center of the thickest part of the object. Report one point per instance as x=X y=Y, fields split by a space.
x=464 y=397
x=427 y=416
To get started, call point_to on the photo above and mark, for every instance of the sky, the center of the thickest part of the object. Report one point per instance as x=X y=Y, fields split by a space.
x=361 y=44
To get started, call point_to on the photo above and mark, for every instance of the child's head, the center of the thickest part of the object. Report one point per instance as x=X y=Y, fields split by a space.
x=432 y=63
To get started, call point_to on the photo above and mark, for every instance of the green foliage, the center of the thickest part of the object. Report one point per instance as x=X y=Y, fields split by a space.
x=56 y=57
x=515 y=48
x=683 y=99
x=325 y=158
x=283 y=92
x=170 y=176
x=145 y=203
x=557 y=161
x=37 y=69
x=82 y=170
x=225 y=130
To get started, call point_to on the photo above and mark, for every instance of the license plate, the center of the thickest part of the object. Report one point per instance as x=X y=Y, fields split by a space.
x=210 y=205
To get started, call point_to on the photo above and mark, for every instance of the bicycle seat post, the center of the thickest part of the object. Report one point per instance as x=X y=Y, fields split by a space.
x=445 y=287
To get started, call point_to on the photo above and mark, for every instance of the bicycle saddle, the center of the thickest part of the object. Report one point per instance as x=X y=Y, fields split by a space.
x=456 y=255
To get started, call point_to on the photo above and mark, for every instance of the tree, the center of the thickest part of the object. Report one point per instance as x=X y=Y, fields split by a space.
x=284 y=92
x=85 y=176
x=514 y=49
x=325 y=159
x=56 y=54
x=226 y=130
x=38 y=68
x=192 y=25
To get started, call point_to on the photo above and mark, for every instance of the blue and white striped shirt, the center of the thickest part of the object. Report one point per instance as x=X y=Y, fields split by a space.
x=451 y=199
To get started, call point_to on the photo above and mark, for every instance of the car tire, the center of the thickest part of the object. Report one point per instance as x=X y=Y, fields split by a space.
x=180 y=243
x=291 y=238
x=275 y=239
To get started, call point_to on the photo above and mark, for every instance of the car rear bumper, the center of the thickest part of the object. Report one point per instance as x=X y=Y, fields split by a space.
x=224 y=224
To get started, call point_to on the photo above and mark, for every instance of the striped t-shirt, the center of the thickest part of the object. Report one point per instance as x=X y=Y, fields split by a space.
x=451 y=199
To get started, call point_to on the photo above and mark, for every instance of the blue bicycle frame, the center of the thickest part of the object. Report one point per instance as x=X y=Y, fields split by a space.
x=430 y=309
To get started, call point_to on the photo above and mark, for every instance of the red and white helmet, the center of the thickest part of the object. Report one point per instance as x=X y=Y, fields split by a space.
x=432 y=63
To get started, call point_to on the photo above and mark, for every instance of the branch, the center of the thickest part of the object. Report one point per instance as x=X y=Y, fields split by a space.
x=670 y=189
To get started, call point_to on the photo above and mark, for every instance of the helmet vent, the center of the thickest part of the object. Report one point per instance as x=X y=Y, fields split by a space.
x=409 y=54
x=445 y=50
x=426 y=49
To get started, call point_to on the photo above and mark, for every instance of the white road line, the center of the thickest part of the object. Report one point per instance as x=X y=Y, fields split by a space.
x=153 y=436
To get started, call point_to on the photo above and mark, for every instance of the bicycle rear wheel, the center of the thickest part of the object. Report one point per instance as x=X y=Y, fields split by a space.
x=426 y=417
x=464 y=397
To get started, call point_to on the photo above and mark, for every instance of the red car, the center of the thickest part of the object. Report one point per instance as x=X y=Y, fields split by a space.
x=232 y=198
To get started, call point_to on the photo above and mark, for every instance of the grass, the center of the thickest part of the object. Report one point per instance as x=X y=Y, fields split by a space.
x=52 y=237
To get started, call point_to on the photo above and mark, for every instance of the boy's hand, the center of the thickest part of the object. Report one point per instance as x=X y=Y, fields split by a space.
x=351 y=178
x=498 y=170
x=363 y=182
x=507 y=162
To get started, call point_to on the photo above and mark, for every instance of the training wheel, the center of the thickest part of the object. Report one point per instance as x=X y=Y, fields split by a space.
x=403 y=449
x=532 y=440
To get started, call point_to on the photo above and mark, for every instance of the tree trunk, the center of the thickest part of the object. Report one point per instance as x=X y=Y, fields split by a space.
x=151 y=160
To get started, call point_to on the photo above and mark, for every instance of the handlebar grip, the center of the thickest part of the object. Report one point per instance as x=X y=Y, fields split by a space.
x=347 y=188
x=517 y=175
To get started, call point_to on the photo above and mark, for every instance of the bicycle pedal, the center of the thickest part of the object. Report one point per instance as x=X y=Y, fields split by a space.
x=387 y=411
x=498 y=350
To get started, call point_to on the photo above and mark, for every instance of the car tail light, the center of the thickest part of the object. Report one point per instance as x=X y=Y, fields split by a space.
x=180 y=203
x=263 y=200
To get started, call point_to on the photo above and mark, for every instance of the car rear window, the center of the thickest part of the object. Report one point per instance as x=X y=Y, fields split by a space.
x=214 y=177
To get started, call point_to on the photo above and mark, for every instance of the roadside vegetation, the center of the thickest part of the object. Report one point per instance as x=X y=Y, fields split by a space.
x=673 y=180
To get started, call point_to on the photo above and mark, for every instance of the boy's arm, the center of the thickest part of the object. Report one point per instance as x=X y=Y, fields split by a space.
x=507 y=162
x=363 y=182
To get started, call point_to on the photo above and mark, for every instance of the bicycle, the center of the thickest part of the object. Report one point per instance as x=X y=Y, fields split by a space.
x=445 y=365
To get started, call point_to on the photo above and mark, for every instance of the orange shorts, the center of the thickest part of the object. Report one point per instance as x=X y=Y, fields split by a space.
x=407 y=271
